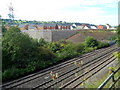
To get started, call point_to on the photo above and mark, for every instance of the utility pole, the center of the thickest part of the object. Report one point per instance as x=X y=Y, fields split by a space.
x=11 y=14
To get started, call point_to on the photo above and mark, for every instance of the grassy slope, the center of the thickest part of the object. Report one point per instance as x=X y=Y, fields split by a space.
x=99 y=35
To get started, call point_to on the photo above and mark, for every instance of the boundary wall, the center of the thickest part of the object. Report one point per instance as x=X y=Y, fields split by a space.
x=50 y=35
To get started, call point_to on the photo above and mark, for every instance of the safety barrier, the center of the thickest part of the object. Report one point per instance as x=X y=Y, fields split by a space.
x=108 y=79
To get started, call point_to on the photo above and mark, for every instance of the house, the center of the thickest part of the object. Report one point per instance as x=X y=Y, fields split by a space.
x=113 y=27
x=86 y=26
x=102 y=27
x=23 y=26
x=108 y=26
x=70 y=26
x=46 y=26
x=64 y=26
x=7 y=26
x=93 y=26
x=77 y=25
x=81 y=26
x=50 y=26
x=40 y=26
x=73 y=27
x=32 y=27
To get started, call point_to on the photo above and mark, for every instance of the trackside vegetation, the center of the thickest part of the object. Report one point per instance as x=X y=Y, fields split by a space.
x=22 y=55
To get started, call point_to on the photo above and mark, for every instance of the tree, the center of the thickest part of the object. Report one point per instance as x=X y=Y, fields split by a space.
x=16 y=48
x=19 y=50
x=3 y=30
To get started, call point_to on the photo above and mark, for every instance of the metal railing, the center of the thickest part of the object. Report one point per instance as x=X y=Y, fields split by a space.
x=111 y=76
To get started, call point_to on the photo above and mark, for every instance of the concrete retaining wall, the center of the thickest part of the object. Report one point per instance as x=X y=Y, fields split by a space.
x=50 y=35
x=62 y=34
x=56 y=35
x=47 y=35
x=37 y=34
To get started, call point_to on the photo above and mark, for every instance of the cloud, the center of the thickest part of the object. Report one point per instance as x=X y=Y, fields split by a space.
x=91 y=11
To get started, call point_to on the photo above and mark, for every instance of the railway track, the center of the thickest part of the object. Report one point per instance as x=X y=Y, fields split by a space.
x=74 y=83
x=71 y=75
x=42 y=78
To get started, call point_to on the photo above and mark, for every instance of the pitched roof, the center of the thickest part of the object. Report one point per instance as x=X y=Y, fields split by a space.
x=40 y=25
x=78 y=24
x=31 y=26
x=64 y=24
x=22 y=25
x=94 y=25
x=50 y=24
x=88 y=25
x=103 y=26
x=73 y=27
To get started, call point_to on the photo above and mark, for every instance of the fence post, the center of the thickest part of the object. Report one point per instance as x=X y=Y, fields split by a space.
x=113 y=80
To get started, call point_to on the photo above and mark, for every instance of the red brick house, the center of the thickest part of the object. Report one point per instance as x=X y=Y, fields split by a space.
x=47 y=26
x=64 y=26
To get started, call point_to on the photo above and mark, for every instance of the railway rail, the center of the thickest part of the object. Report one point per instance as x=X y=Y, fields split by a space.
x=75 y=83
x=66 y=69
x=71 y=74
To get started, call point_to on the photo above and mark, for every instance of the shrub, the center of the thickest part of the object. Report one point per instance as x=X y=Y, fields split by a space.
x=113 y=38
x=91 y=42
x=89 y=49
x=70 y=51
x=45 y=54
x=12 y=73
x=56 y=46
x=63 y=42
x=42 y=42
x=102 y=45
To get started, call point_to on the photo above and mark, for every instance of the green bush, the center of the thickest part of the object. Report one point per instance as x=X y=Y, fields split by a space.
x=42 y=42
x=56 y=46
x=91 y=42
x=70 y=51
x=45 y=54
x=102 y=45
x=12 y=73
x=113 y=38
x=89 y=49
x=94 y=44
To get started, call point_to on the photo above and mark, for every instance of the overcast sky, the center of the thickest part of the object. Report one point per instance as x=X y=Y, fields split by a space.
x=84 y=11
